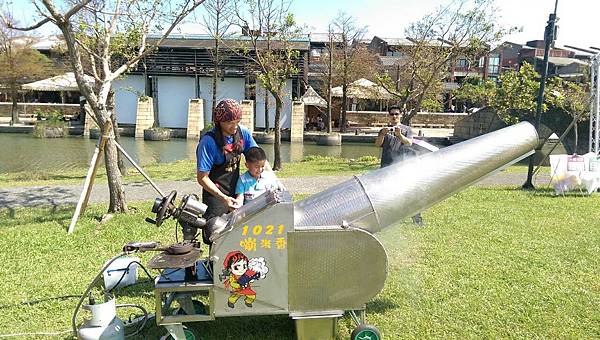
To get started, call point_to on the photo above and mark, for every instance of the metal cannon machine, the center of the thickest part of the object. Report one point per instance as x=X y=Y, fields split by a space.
x=317 y=258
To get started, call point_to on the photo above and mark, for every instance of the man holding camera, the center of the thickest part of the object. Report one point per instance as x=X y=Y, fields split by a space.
x=395 y=142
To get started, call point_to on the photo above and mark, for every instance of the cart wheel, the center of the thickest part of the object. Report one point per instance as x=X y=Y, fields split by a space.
x=365 y=332
x=199 y=308
x=189 y=335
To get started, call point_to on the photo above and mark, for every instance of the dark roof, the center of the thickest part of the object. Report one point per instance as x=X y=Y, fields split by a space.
x=203 y=41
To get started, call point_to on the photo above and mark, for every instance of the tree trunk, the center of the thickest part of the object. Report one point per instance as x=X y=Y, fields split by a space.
x=14 y=110
x=110 y=106
x=329 y=81
x=215 y=76
x=576 y=136
x=277 y=144
x=344 y=104
x=266 y=111
x=115 y=181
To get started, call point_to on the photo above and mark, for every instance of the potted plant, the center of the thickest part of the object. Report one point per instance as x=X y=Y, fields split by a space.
x=157 y=133
x=50 y=124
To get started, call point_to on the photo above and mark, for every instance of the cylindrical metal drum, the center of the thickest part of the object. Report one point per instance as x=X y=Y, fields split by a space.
x=388 y=195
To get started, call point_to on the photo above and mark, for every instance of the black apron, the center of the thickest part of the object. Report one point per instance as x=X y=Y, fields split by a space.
x=225 y=176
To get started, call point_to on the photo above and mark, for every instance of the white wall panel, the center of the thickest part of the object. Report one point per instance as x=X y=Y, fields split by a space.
x=231 y=88
x=127 y=91
x=286 y=112
x=174 y=94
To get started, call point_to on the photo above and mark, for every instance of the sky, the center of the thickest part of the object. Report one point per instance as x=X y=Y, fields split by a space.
x=579 y=20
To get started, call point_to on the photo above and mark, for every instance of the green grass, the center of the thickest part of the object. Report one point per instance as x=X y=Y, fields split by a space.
x=490 y=263
x=186 y=170
x=522 y=169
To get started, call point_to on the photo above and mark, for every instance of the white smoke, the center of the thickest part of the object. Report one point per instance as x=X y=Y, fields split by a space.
x=259 y=265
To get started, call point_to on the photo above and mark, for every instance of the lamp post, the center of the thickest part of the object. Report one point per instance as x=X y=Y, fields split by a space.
x=549 y=37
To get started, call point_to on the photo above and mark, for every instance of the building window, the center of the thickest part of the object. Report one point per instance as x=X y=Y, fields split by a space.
x=316 y=52
x=462 y=63
x=494 y=64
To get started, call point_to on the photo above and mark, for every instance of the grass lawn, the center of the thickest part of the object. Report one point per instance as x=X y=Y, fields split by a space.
x=490 y=263
x=185 y=170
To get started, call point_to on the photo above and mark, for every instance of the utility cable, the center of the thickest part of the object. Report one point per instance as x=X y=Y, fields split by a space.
x=16 y=335
x=35 y=302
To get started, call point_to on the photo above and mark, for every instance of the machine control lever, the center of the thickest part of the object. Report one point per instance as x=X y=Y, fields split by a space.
x=140 y=246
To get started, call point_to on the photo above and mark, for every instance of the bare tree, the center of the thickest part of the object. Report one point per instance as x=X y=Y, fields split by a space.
x=350 y=34
x=464 y=29
x=218 y=20
x=111 y=37
x=333 y=71
x=19 y=64
x=271 y=31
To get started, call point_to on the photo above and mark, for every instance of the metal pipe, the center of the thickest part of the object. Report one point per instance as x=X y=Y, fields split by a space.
x=386 y=196
x=138 y=168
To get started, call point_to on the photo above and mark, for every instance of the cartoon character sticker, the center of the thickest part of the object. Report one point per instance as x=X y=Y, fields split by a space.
x=238 y=273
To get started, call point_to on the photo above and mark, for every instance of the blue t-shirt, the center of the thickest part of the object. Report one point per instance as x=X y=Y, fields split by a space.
x=209 y=154
x=252 y=188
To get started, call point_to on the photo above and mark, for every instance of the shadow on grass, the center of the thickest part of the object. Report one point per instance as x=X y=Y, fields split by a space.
x=381 y=305
x=37 y=197
x=279 y=327
x=60 y=214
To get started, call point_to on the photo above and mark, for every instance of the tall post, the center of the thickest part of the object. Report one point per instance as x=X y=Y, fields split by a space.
x=549 y=36
x=595 y=106
x=329 y=80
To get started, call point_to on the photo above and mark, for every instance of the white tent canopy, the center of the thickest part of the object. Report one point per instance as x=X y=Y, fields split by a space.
x=63 y=82
x=311 y=97
x=363 y=89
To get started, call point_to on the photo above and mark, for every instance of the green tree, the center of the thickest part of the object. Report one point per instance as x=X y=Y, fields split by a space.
x=272 y=31
x=347 y=56
x=462 y=30
x=20 y=64
x=574 y=100
x=107 y=38
x=517 y=93
x=476 y=92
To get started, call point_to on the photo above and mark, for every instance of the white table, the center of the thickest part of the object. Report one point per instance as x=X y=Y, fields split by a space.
x=567 y=174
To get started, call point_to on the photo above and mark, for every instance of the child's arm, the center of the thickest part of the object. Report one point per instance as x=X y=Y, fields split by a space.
x=239 y=193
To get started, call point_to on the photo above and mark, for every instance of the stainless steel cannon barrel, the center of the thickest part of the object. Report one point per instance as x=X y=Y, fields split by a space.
x=386 y=196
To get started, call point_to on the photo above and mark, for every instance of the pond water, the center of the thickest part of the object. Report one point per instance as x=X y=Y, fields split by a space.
x=22 y=152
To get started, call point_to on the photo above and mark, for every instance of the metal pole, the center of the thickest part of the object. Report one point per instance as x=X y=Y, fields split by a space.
x=595 y=114
x=593 y=106
x=138 y=168
x=549 y=40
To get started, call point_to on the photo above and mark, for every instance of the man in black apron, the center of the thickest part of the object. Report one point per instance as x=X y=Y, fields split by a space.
x=218 y=159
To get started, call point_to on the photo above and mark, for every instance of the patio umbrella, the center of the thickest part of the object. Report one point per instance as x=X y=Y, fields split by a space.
x=63 y=82
x=363 y=89
x=311 y=97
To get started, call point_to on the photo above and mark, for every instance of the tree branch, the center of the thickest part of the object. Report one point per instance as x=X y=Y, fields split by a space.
x=29 y=28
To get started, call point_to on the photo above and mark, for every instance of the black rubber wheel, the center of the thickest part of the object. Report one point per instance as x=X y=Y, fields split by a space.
x=189 y=335
x=365 y=332
x=199 y=308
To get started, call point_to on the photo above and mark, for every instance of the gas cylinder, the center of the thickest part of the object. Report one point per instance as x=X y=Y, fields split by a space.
x=104 y=324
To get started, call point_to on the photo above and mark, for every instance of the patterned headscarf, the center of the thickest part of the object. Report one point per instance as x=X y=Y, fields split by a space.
x=227 y=110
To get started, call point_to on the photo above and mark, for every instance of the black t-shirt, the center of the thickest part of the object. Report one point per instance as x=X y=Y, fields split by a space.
x=392 y=148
